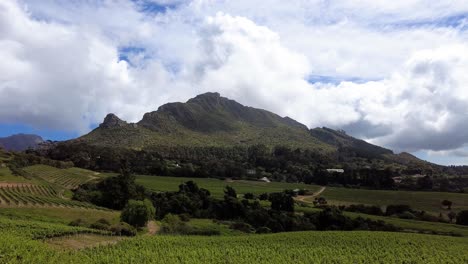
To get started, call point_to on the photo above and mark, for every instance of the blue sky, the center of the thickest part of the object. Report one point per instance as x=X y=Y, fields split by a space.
x=392 y=72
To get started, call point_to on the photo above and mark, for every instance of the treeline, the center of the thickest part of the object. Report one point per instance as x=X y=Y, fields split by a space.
x=20 y=160
x=247 y=215
x=280 y=163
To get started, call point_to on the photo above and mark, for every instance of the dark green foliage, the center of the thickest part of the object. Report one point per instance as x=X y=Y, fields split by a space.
x=123 y=229
x=230 y=192
x=138 y=213
x=241 y=226
x=101 y=224
x=365 y=209
x=172 y=224
x=78 y=222
x=462 y=218
x=282 y=202
x=249 y=196
x=112 y=192
x=447 y=203
x=263 y=197
x=263 y=230
x=395 y=209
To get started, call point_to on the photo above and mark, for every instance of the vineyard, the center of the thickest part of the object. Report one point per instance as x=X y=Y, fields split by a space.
x=44 y=187
x=34 y=195
x=299 y=247
x=66 y=178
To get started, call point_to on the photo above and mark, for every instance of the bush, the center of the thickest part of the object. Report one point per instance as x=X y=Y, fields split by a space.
x=462 y=218
x=360 y=208
x=406 y=215
x=263 y=197
x=241 y=226
x=397 y=209
x=184 y=217
x=172 y=224
x=249 y=196
x=263 y=230
x=123 y=229
x=78 y=222
x=138 y=213
x=101 y=224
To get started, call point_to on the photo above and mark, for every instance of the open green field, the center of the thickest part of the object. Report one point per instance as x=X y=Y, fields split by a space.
x=6 y=176
x=427 y=201
x=216 y=187
x=405 y=224
x=58 y=215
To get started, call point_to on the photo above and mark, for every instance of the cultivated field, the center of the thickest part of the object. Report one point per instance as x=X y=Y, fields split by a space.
x=44 y=186
x=300 y=247
x=216 y=187
x=428 y=201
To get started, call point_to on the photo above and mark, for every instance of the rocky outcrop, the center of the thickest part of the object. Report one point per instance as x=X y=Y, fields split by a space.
x=112 y=120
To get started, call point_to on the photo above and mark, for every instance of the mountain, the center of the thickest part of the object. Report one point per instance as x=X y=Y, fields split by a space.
x=210 y=120
x=20 y=142
x=348 y=143
x=206 y=120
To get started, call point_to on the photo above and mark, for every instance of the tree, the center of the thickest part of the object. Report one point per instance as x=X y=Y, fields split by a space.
x=138 y=213
x=448 y=204
x=250 y=196
x=282 y=202
x=462 y=218
x=230 y=192
x=451 y=216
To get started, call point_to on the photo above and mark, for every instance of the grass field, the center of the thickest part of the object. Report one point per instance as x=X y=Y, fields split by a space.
x=59 y=215
x=427 y=201
x=6 y=176
x=216 y=187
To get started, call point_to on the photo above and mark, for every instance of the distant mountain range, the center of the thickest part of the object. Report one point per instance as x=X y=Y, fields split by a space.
x=20 y=142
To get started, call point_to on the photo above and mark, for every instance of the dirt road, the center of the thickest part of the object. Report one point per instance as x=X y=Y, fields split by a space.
x=301 y=198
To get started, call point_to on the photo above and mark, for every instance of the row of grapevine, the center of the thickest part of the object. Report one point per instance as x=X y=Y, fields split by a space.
x=41 y=230
x=302 y=247
x=23 y=196
x=67 y=178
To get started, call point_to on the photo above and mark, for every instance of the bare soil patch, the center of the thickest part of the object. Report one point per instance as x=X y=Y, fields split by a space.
x=82 y=241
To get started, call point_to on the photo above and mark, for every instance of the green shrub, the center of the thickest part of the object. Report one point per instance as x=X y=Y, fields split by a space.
x=123 y=229
x=172 y=224
x=138 y=213
x=101 y=224
x=263 y=230
x=78 y=222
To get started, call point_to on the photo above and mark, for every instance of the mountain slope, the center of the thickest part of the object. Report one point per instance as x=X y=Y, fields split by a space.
x=345 y=142
x=206 y=120
x=20 y=142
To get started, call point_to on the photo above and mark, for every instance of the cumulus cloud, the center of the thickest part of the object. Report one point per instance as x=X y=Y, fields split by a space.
x=62 y=66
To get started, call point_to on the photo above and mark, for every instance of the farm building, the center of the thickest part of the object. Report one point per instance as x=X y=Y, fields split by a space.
x=335 y=170
x=264 y=179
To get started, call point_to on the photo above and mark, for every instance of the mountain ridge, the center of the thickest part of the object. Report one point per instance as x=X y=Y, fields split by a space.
x=20 y=142
x=205 y=120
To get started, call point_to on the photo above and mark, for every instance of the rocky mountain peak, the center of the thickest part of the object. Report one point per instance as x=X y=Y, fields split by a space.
x=111 y=120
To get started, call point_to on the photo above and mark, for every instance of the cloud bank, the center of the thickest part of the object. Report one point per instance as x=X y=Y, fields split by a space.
x=378 y=70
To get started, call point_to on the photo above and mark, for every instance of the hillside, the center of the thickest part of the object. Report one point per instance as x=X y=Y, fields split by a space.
x=206 y=120
x=345 y=142
x=20 y=142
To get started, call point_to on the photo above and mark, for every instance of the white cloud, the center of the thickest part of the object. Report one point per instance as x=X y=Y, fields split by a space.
x=60 y=63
